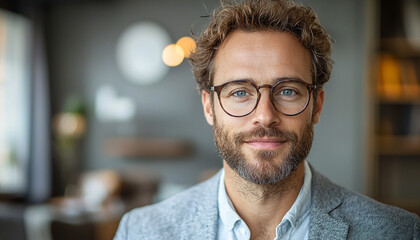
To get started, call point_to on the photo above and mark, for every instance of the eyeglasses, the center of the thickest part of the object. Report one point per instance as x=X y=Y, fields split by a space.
x=239 y=98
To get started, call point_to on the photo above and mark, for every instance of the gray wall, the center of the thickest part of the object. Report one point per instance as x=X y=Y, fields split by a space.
x=82 y=39
x=340 y=144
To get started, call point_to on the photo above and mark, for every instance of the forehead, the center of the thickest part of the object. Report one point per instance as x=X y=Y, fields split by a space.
x=262 y=57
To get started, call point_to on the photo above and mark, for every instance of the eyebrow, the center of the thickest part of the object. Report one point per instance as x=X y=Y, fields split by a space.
x=286 y=78
x=273 y=82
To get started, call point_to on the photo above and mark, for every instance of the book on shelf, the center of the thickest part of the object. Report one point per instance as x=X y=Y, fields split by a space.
x=409 y=80
x=396 y=119
x=414 y=127
x=398 y=78
x=389 y=76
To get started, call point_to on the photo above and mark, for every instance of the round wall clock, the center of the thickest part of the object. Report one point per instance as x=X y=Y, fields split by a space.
x=139 y=52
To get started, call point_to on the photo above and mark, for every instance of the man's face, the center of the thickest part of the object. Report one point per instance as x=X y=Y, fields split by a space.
x=265 y=146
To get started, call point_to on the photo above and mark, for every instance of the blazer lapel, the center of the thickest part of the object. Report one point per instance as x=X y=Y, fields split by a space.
x=326 y=199
x=323 y=226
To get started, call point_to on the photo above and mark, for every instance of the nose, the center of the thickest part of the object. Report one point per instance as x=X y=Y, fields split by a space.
x=265 y=114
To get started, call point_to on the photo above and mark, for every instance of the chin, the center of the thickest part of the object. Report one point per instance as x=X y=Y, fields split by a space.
x=264 y=171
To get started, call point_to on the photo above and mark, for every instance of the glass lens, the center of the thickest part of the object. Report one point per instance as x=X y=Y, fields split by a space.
x=290 y=97
x=238 y=98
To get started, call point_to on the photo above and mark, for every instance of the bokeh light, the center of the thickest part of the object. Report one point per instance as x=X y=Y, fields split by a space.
x=173 y=55
x=70 y=125
x=187 y=44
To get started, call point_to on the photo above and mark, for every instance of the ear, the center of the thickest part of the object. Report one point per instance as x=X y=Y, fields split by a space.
x=207 y=107
x=319 y=105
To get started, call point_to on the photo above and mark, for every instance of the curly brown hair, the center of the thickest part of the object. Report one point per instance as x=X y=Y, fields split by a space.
x=262 y=15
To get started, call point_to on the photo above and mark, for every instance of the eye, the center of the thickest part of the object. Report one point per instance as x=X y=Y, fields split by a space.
x=240 y=93
x=287 y=92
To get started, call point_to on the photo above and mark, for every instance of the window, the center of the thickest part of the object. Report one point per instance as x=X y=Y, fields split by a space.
x=14 y=102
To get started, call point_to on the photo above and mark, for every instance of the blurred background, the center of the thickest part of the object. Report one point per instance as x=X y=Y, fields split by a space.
x=99 y=111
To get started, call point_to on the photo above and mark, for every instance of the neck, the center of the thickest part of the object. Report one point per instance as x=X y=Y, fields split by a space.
x=263 y=207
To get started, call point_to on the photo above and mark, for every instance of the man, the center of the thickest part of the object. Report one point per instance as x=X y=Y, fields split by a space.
x=260 y=66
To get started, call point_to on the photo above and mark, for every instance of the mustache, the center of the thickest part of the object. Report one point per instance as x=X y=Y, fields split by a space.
x=269 y=132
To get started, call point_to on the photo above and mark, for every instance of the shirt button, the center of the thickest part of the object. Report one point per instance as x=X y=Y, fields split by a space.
x=243 y=230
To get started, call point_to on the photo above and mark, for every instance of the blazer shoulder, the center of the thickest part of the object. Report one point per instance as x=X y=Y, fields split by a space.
x=367 y=214
x=363 y=214
x=370 y=207
x=170 y=215
x=325 y=191
x=182 y=202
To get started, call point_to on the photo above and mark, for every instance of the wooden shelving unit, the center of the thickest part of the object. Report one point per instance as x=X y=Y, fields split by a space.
x=396 y=133
x=400 y=100
x=389 y=145
x=136 y=147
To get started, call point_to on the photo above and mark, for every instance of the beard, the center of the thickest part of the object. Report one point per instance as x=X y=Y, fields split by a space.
x=267 y=169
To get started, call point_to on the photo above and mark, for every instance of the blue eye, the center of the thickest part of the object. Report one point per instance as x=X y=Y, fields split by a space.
x=287 y=92
x=241 y=93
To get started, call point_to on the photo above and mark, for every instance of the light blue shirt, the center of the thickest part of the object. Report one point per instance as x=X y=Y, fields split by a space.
x=295 y=224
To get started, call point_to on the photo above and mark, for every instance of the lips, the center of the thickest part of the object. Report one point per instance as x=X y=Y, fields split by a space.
x=265 y=143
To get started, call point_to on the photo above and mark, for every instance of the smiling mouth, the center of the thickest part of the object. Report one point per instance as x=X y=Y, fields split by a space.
x=265 y=143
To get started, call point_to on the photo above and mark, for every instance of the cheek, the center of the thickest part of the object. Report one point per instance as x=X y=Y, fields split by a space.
x=231 y=124
x=298 y=123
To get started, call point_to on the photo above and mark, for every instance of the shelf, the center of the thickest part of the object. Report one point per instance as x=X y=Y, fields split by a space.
x=131 y=147
x=401 y=47
x=394 y=121
x=399 y=145
x=415 y=100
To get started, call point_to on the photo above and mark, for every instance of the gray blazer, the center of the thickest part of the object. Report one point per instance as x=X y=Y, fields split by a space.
x=336 y=213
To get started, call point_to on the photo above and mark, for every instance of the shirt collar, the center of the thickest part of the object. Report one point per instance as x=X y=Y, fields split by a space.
x=296 y=214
